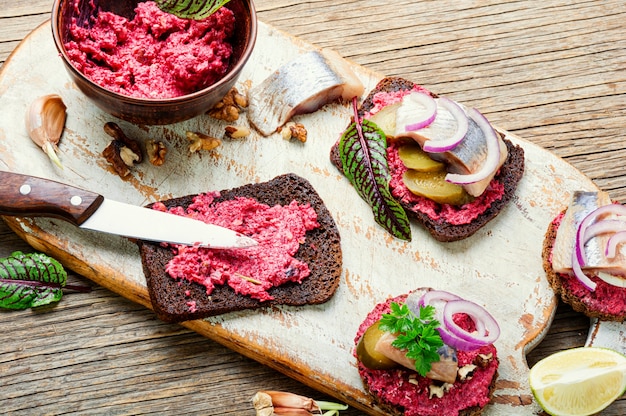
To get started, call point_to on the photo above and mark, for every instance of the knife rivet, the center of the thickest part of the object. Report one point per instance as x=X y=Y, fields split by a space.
x=76 y=200
x=25 y=189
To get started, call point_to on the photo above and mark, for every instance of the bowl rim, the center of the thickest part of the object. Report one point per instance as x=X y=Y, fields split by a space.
x=233 y=71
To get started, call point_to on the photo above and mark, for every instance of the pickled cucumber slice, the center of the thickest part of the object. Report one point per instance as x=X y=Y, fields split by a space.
x=414 y=157
x=433 y=185
x=385 y=119
x=366 y=352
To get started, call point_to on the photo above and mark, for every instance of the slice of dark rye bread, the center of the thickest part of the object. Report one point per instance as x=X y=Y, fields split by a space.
x=581 y=300
x=509 y=175
x=321 y=251
x=459 y=393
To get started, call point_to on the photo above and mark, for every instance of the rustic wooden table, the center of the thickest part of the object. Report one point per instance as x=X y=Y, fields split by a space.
x=551 y=71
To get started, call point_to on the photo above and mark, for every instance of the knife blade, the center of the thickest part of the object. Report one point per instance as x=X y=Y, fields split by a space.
x=30 y=196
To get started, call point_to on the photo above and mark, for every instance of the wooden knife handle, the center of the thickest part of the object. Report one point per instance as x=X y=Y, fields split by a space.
x=29 y=196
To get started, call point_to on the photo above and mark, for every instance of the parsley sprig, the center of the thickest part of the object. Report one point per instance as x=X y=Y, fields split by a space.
x=417 y=335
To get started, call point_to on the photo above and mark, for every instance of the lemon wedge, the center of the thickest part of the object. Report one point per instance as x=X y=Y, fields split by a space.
x=579 y=381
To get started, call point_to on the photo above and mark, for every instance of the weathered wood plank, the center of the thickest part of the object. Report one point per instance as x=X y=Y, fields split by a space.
x=550 y=71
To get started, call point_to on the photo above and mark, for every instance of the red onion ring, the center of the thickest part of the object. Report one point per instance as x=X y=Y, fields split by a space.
x=580 y=275
x=426 y=108
x=616 y=239
x=603 y=227
x=446 y=306
x=454 y=341
x=492 y=161
x=436 y=295
x=490 y=329
x=579 y=258
x=579 y=246
x=439 y=146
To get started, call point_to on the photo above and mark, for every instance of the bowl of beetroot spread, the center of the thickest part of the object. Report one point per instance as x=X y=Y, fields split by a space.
x=146 y=66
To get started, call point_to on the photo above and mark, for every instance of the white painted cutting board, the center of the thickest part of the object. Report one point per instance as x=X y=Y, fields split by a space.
x=499 y=267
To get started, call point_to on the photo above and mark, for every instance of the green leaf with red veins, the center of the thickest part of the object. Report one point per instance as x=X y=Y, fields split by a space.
x=30 y=280
x=363 y=150
x=191 y=9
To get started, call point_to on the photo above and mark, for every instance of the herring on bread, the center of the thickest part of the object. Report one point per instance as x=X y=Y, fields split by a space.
x=479 y=200
x=461 y=382
x=318 y=251
x=583 y=256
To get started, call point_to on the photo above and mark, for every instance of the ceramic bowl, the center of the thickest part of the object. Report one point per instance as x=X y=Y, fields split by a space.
x=153 y=111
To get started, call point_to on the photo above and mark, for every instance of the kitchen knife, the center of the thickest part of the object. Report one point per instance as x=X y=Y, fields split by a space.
x=29 y=196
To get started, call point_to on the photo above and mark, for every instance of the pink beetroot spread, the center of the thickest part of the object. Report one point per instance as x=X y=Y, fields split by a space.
x=154 y=55
x=607 y=299
x=452 y=214
x=278 y=229
x=408 y=391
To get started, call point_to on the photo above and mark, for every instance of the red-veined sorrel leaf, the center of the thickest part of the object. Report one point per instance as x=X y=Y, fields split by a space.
x=363 y=150
x=30 y=280
x=191 y=9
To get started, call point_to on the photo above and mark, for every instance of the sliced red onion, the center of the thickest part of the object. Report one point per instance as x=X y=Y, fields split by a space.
x=435 y=295
x=492 y=161
x=611 y=245
x=439 y=146
x=603 y=227
x=580 y=275
x=454 y=341
x=487 y=329
x=618 y=281
x=579 y=243
x=423 y=110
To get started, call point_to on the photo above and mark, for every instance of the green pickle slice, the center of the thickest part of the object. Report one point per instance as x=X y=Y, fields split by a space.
x=414 y=157
x=367 y=353
x=385 y=119
x=433 y=185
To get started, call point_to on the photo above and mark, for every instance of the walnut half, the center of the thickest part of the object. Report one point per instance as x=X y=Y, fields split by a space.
x=229 y=107
x=201 y=141
x=156 y=152
x=292 y=130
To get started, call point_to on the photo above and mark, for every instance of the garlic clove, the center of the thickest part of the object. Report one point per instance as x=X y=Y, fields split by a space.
x=45 y=120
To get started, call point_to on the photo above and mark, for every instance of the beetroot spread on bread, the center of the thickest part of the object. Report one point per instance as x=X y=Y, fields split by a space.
x=402 y=391
x=445 y=221
x=278 y=230
x=598 y=287
x=299 y=262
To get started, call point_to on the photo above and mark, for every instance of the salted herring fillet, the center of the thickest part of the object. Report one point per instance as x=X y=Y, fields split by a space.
x=580 y=206
x=467 y=157
x=301 y=86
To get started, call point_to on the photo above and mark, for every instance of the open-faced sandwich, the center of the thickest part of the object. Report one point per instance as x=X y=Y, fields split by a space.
x=297 y=261
x=428 y=353
x=584 y=258
x=445 y=165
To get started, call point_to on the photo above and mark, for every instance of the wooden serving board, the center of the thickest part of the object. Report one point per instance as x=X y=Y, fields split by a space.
x=499 y=267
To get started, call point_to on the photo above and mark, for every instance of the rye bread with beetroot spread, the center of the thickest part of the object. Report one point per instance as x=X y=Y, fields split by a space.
x=606 y=302
x=177 y=300
x=403 y=392
x=445 y=222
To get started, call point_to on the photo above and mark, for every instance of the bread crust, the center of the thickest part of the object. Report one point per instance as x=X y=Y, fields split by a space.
x=509 y=175
x=584 y=304
x=321 y=251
